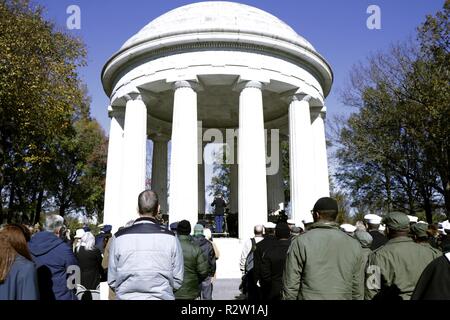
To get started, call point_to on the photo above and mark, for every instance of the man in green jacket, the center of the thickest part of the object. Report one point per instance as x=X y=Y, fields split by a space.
x=196 y=267
x=323 y=263
x=420 y=236
x=394 y=269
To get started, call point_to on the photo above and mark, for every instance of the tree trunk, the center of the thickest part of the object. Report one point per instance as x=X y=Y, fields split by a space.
x=11 y=204
x=387 y=185
x=447 y=200
x=37 y=212
x=62 y=210
x=428 y=209
x=1 y=206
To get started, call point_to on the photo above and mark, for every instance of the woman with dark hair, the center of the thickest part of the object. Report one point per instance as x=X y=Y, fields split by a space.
x=18 y=237
x=18 y=277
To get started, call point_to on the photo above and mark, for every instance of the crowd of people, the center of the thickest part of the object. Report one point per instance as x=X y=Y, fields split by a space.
x=146 y=260
x=328 y=261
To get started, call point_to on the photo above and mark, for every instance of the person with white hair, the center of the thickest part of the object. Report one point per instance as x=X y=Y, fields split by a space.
x=90 y=261
x=52 y=257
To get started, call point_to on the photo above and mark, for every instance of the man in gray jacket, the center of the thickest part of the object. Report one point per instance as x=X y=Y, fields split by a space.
x=145 y=259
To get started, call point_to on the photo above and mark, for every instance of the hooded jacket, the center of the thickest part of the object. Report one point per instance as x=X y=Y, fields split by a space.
x=52 y=257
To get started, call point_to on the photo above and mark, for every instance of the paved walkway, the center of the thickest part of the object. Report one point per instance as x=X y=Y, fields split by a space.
x=227 y=289
x=230 y=253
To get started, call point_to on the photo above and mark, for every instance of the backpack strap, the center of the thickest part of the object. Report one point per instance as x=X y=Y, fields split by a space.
x=253 y=244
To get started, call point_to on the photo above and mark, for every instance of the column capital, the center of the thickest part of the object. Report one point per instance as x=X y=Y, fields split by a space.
x=116 y=112
x=241 y=85
x=187 y=84
x=253 y=84
x=300 y=95
x=133 y=96
x=159 y=138
x=318 y=112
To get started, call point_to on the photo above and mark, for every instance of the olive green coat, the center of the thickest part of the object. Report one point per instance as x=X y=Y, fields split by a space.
x=196 y=269
x=323 y=264
x=400 y=262
x=366 y=252
x=435 y=250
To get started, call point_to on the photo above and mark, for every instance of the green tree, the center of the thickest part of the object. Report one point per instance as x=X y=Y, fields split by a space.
x=44 y=117
x=220 y=182
x=393 y=152
x=78 y=168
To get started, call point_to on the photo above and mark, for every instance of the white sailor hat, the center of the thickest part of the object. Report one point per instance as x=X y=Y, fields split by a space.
x=446 y=225
x=270 y=225
x=348 y=227
x=413 y=219
x=372 y=218
x=291 y=221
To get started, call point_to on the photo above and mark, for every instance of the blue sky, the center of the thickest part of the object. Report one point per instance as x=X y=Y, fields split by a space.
x=336 y=28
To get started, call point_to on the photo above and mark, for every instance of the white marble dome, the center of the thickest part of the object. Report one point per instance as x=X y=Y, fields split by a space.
x=217 y=16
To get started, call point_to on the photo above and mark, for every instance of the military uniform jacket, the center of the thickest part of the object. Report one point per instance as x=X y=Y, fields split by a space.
x=323 y=264
x=399 y=264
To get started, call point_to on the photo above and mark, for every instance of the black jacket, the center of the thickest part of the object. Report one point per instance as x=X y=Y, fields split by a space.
x=272 y=268
x=434 y=283
x=378 y=239
x=261 y=248
x=90 y=262
x=219 y=206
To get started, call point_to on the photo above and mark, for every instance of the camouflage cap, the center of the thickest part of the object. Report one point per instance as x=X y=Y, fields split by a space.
x=396 y=221
x=420 y=230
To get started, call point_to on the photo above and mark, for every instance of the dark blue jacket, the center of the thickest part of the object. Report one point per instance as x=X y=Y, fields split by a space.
x=21 y=282
x=52 y=257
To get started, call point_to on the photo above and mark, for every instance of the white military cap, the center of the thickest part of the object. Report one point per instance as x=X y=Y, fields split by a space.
x=270 y=225
x=372 y=218
x=446 y=225
x=413 y=219
x=348 y=227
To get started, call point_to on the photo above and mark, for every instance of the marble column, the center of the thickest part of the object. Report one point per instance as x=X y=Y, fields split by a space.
x=321 y=178
x=252 y=160
x=114 y=170
x=183 y=198
x=234 y=178
x=301 y=159
x=134 y=157
x=159 y=171
x=201 y=179
x=275 y=186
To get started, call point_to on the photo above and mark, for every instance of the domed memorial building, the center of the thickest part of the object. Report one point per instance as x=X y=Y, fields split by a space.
x=223 y=66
